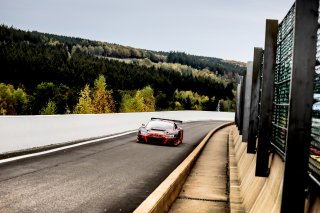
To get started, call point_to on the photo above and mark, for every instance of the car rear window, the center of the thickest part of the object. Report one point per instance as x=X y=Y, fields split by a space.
x=161 y=125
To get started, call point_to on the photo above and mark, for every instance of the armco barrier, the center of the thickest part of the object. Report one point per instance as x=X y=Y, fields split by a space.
x=165 y=194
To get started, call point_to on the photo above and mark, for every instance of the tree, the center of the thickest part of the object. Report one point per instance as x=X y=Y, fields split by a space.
x=128 y=104
x=84 y=106
x=189 y=100
x=102 y=99
x=49 y=109
x=21 y=100
x=42 y=94
x=45 y=58
x=162 y=101
x=46 y=91
x=6 y=99
x=142 y=101
x=12 y=101
x=145 y=99
x=62 y=96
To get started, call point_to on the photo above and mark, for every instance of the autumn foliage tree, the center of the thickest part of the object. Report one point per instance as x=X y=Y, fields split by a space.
x=102 y=98
x=12 y=101
x=84 y=106
x=96 y=100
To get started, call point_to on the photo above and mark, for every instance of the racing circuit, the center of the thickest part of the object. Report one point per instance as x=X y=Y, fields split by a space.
x=111 y=175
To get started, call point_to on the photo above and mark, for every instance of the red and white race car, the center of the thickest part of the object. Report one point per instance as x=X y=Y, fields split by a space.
x=161 y=131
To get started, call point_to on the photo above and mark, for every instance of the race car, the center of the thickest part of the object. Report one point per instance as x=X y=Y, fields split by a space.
x=161 y=131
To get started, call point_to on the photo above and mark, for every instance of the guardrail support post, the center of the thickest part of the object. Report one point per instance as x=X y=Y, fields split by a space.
x=255 y=89
x=301 y=100
x=247 y=101
x=265 y=123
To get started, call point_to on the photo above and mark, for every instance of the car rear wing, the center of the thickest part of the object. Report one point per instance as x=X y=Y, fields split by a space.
x=165 y=119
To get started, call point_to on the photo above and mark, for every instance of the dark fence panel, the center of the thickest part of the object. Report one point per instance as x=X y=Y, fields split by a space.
x=282 y=82
x=314 y=160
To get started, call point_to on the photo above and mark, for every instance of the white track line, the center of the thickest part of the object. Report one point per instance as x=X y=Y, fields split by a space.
x=64 y=147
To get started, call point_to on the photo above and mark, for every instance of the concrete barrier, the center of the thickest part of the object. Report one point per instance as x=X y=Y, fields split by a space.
x=165 y=194
x=23 y=133
x=256 y=194
x=249 y=193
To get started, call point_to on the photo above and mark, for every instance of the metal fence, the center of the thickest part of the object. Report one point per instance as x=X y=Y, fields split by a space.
x=314 y=160
x=285 y=122
x=283 y=71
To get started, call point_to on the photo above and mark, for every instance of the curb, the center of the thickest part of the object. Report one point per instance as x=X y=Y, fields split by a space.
x=161 y=199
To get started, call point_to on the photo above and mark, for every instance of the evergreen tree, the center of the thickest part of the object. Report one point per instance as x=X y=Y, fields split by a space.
x=84 y=106
x=42 y=94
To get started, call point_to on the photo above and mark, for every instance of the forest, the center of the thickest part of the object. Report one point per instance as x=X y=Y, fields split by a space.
x=51 y=74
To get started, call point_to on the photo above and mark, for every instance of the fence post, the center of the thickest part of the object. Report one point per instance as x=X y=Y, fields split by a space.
x=237 y=114
x=243 y=86
x=301 y=100
x=265 y=125
x=255 y=89
x=241 y=93
x=246 y=101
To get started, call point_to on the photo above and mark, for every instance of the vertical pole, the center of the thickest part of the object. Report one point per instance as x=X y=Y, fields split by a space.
x=243 y=85
x=301 y=100
x=247 y=101
x=255 y=89
x=265 y=125
x=238 y=103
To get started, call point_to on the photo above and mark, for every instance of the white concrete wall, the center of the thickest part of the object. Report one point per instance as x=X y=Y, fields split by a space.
x=25 y=132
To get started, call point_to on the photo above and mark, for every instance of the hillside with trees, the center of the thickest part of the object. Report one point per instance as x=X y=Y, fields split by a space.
x=50 y=74
x=217 y=65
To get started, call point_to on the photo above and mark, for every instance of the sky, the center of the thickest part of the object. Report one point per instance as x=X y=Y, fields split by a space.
x=227 y=29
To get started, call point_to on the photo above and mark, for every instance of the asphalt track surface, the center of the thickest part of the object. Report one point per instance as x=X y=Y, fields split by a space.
x=113 y=175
